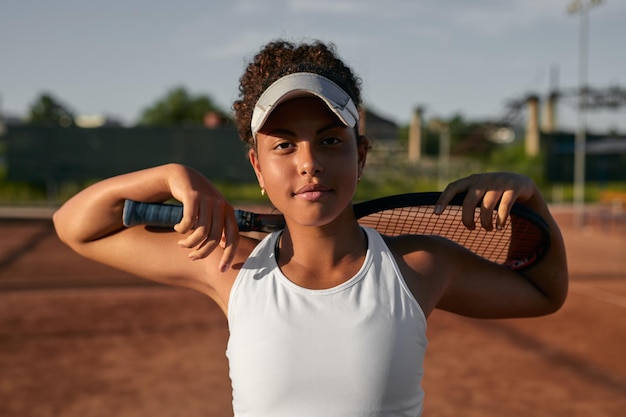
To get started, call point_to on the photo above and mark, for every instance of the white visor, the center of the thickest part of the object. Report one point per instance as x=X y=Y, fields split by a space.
x=302 y=84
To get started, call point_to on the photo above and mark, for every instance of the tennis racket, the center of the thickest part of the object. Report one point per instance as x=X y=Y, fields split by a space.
x=523 y=241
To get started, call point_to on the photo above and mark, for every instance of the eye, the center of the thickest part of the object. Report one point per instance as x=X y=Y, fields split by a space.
x=331 y=141
x=281 y=146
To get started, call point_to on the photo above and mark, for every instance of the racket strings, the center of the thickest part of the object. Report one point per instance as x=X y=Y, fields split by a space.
x=527 y=239
x=491 y=245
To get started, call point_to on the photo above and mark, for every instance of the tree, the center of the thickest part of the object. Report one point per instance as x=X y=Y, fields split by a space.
x=47 y=110
x=179 y=108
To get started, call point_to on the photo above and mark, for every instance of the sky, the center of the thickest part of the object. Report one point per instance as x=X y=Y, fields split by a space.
x=117 y=57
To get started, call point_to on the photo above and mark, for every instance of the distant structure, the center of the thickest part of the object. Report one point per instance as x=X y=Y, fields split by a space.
x=377 y=128
x=415 y=135
x=531 y=144
x=611 y=98
x=96 y=120
x=550 y=120
x=213 y=120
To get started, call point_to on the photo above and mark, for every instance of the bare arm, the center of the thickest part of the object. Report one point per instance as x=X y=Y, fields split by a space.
x=479 y=289
x=91 y=224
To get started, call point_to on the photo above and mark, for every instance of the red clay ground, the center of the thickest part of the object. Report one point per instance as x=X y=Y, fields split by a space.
x=78 y=339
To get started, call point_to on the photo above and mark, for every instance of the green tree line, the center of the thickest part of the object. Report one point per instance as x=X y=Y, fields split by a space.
x=178 y=107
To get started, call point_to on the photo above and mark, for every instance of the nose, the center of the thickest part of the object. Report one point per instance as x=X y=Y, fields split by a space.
x=309 y=162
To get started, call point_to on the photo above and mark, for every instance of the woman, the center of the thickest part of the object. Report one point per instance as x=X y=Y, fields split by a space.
x=325 y=317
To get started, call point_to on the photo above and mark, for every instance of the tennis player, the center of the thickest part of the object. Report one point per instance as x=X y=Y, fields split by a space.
x=326 y=318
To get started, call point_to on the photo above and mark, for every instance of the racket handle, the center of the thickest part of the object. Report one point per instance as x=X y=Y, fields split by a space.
x=151 y=214
x=168 y=215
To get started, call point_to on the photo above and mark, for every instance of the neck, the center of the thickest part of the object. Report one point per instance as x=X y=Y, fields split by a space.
x=322 y=257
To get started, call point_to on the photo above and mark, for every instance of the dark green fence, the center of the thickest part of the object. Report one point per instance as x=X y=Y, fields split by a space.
x=605 y=158
x=56 y=155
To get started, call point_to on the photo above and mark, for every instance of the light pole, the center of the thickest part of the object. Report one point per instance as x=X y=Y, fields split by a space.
x=581 y=7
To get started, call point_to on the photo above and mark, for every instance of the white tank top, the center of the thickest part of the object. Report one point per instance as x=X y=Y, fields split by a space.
x=353 y=350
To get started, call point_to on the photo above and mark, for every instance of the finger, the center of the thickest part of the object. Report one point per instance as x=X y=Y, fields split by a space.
x=218 y=223
x=487 y=206
x=194 y=240
x=448 y=194
x=506 y=204
x=199 y=229
x=190 y=218
x=206 y=245
x=212 y=238
x=470 y=202
x=231 y=241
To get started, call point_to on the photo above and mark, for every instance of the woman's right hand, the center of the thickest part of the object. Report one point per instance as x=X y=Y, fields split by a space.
x=208 y=219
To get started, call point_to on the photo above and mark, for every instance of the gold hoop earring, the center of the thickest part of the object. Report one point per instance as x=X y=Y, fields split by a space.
x=262 y=191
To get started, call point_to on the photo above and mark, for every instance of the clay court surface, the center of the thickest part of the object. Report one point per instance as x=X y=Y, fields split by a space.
x=78 y=339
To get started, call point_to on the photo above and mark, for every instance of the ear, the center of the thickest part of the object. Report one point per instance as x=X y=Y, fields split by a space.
x=363 y=146
x=254 y=161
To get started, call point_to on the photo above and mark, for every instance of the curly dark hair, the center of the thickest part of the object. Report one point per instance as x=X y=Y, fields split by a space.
x=279 y=58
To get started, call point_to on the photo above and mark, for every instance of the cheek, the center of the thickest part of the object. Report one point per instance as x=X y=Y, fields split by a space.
x=272 y=174
x=354 y=166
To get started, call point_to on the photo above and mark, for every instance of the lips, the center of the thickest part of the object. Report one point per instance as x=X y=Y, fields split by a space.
x=312 y=192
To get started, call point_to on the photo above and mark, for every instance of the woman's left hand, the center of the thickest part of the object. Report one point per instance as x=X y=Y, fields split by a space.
x=486 y=191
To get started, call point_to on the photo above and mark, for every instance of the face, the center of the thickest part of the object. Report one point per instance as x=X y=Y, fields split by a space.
x=308 y=162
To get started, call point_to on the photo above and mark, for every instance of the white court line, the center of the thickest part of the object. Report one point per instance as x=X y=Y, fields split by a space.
x=598 y=294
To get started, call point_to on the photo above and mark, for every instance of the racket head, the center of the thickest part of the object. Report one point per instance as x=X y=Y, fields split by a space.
x=522 y=242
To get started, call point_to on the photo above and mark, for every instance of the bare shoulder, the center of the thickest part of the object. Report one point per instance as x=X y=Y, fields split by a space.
x=442 y=274
x=207 y=278
x=421 y=252
x=204 y=274
x=423 y=261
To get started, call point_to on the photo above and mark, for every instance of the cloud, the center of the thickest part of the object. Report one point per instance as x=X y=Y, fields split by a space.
x=238 y=46
x=333 y=7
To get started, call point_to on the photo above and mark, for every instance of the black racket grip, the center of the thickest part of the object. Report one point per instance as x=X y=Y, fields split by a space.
x=151 y=214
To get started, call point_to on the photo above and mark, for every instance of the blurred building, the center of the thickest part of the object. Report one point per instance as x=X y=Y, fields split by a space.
x=378 y=128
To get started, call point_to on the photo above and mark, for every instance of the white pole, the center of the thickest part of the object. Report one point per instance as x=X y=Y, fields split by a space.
x=578 y=6
x=444 y=156
x=581 y=131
